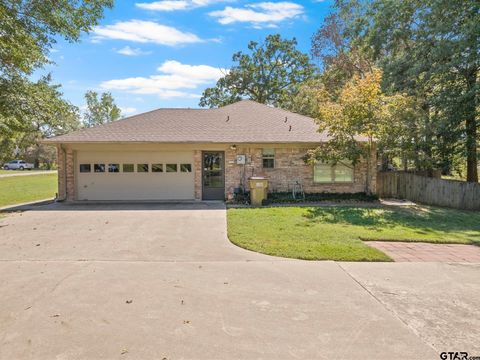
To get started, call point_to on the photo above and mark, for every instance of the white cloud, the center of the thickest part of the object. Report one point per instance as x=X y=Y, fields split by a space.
x=172 y=5
x=145 y=32
x=264 y=14
x=128 y=110
x=128 y=51
x=174 y=79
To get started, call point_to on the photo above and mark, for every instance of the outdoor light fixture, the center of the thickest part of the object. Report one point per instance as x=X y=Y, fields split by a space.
x=233 y=147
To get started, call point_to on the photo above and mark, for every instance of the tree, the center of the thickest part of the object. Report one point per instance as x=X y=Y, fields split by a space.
x=339 y=56
x=35 y=110
x=429 y=49
x=270 y=74
x=360 y=109
x=29 y=28
x=100 y=110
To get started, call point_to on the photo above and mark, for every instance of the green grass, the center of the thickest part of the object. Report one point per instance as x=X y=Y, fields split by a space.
x=20 y=189
x=33 y=171
x=336 y=233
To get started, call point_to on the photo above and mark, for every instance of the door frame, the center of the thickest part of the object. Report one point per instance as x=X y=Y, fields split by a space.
x=203 y=171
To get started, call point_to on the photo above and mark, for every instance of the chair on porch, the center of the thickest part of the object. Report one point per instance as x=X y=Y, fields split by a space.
x=297 y=189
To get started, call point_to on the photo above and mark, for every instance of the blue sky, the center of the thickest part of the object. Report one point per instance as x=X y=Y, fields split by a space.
x=152 y=54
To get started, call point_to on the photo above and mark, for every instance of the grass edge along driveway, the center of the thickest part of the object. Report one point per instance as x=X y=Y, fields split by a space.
x=335 y=233
x=21 y=189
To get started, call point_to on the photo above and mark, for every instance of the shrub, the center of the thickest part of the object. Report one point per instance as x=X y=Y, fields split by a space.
x=287 y=197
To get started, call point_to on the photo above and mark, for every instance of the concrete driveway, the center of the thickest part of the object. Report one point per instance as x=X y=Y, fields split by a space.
x=163 y=282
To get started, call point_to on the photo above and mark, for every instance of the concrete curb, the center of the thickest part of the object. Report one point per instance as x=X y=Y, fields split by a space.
x=27 y=205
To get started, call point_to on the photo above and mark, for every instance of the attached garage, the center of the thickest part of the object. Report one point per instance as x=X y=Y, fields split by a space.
x=134 y=175
x=197 y=154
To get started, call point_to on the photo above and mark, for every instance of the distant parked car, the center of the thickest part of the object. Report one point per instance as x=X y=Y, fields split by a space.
x=17 y=165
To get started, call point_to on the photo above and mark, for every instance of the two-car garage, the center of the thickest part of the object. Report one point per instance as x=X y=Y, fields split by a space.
x=134 y=175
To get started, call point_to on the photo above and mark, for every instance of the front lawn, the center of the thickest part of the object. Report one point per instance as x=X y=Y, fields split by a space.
x=21 y=189
x=335 y=233
x=33 y=171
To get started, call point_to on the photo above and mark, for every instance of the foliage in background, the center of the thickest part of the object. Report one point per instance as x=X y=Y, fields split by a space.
x=270 y=74
x=360 y=108
x=30 y=110
x=100 y=110
x=428 y=49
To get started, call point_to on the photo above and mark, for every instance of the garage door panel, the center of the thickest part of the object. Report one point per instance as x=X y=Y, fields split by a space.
x=135 y=186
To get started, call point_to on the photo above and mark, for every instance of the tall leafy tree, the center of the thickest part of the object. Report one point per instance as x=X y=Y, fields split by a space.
x=360 y=108
x=270 y=74
x=35 y=110
x=340 y=58
x=100 y=110
x=29 y=29
x=430 y=49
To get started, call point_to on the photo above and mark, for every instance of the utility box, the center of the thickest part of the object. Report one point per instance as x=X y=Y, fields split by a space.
x=241 y=159
x=258 y=189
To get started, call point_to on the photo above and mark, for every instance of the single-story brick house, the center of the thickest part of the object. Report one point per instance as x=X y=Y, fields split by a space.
x=201 y=154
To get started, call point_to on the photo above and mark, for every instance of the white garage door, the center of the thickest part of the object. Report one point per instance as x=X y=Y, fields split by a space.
x=134 y=175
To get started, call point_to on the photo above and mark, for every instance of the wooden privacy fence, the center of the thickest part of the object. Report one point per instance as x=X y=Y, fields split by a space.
x=430 y=191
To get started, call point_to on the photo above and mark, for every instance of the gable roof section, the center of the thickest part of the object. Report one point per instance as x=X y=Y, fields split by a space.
x=242 y=122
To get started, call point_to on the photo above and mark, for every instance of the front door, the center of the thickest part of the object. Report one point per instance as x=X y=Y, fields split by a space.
x=213 y=179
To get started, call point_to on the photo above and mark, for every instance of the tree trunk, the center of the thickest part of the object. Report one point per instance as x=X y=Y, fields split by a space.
x=427 y=146
x=368 y=180
x=471 y=128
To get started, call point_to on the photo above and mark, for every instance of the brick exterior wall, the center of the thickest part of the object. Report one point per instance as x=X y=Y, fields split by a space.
x=66 y=174
x=70 y=161
x=61 y=173
x=289 y=166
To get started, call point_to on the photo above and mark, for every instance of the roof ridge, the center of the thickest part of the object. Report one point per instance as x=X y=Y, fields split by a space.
x=271 y=107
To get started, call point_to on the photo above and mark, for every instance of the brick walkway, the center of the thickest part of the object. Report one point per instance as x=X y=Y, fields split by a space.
x=420 y=252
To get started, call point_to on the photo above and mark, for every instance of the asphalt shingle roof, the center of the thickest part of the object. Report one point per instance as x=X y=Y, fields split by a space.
x=242 y=122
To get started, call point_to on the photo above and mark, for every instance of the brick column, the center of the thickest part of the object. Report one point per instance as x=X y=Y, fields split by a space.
x=197 y=168
x=61 y=173
x=70 y=174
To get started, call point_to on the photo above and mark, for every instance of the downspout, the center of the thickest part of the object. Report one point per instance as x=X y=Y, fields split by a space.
x=64 y=173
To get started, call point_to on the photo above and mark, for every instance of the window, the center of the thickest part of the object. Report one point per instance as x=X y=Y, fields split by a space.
x=186 y=168
x=113 y=168
x=171 y=167
x=128 y=168
x=99 y=168
x=85 y=168
x=329 y=173
x=268 y=158
x=157 y=167
x=141 y=168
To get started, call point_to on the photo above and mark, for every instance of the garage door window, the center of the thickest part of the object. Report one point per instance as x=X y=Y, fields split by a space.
x=142 y=168
x=99 y=168
x=85 y=168
x=113 y=168
x=186 y=168
x=157 y=167
x=171 y=168
x=128 y=168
